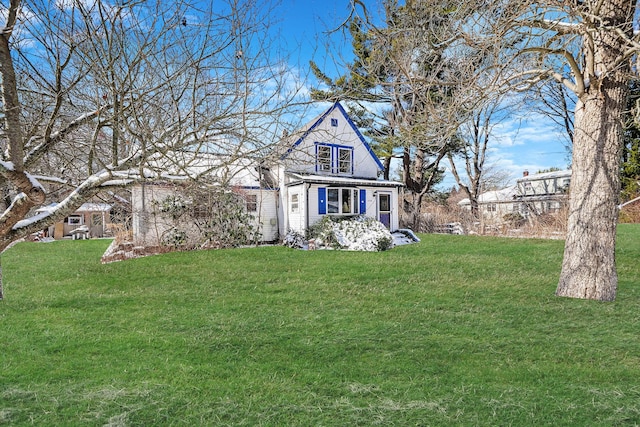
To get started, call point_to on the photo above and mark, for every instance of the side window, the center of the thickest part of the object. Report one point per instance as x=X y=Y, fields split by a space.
x=251 y=201
x=295 y=204
x=75 y=220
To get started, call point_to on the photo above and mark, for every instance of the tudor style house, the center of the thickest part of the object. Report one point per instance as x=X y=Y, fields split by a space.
x=325 y=168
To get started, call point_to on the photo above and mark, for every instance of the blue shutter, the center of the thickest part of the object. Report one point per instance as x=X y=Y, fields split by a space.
x=322 y=201
x=363 y=202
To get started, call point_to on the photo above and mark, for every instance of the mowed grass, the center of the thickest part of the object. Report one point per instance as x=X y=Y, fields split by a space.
x=456 y=330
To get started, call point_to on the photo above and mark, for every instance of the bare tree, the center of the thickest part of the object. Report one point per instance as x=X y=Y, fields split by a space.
x=404 y=67
x=95 y=93
x=474 y=136
x=587 y=46
x=557 y=103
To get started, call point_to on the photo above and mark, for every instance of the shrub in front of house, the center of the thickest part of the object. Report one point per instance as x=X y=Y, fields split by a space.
x=358 y=233
x=294 y=239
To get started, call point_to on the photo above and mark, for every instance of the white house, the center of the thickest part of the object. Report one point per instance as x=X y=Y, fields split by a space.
x=325 y=168
x=545 y=192
x=328 y=168
x=532 y=195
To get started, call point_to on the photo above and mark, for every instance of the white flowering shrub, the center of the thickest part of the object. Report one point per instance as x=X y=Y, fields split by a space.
x=358 y=233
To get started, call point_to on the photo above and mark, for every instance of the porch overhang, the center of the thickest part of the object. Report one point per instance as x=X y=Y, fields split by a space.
x=297 y=179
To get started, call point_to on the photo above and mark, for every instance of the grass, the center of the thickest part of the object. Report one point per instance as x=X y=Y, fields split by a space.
x=451 y=331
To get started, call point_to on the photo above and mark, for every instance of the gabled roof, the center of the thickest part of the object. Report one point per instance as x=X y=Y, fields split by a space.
x=545 y=175
x=296 y=138
x=495 y=196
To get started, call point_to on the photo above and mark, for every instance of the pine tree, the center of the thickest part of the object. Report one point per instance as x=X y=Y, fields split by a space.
x=400 y=68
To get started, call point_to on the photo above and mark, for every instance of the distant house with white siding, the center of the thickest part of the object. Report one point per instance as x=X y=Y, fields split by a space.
x=325 y=168
x=535 y=194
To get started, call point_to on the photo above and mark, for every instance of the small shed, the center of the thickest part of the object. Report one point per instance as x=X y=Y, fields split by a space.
x=92 y=216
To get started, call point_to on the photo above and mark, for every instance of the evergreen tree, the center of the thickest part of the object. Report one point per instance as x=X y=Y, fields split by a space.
x=400 y=68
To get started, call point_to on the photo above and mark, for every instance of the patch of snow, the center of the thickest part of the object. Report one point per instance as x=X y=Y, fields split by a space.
x=400 y=239
x=409 y=233
x=7 y=165
x=363 y=235
x=34 y=182
x=50 y=179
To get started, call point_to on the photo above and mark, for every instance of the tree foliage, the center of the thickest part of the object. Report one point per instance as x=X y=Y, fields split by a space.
x=404 y=90
x=588 y=47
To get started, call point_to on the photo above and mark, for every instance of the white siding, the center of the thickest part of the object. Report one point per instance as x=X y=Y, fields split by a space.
x=303 y=156
x=149 y=228
x=266 y=218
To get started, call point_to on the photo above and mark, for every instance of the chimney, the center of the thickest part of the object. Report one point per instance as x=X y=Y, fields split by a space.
x=525 y=173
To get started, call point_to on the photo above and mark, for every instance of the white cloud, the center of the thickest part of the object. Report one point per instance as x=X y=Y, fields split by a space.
x=521 y=144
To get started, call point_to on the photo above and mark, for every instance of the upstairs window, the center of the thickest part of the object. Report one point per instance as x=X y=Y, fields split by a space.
x=335 y=159
x=324 y=158
x=344 y=160
x=334 y=122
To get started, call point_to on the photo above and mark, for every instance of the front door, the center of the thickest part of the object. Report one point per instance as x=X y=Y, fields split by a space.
x=384 y=209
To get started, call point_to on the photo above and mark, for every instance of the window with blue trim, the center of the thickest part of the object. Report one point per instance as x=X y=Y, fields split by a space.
x=323 y=158
x=342 y=201
x=334 y=159
x=344 y=160
x=334 y=122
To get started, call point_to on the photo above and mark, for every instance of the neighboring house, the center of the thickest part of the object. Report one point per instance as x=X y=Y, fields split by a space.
x=495 y=204
x=325 y=168
x=532 y=195
x=544 y=192
x=93 y=218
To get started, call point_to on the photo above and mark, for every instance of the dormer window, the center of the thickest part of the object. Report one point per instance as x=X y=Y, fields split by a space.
x=324 y=158
x=334 y=159
x=344 y=160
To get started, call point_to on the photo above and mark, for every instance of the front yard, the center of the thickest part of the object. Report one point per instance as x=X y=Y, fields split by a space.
x=453 y=330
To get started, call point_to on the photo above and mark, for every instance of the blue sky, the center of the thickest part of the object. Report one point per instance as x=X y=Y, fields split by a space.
x=526 y=141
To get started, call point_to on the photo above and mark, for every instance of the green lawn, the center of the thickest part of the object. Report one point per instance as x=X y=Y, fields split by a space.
x=451 y=331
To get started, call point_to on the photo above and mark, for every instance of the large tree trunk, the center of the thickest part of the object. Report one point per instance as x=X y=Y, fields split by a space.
x=588 y=267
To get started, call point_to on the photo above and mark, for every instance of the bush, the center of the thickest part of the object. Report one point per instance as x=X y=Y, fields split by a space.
x=294 y=239
x=514 y=219
x=351 y=233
